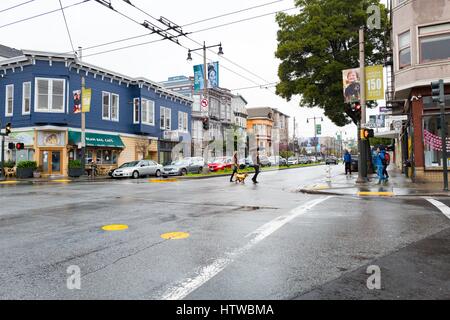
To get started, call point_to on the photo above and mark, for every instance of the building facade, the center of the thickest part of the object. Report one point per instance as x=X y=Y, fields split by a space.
x=421 y=54
x=260 y=123
x=129 y=118
x=225 y=111
x=281 y=122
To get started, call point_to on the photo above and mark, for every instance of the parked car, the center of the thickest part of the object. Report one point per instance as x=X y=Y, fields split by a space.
x=265 y=161
x=136 y=169
x=319 y=158
x=245 y=163
x=220 y=163
x=292 y=160
x=303 y=160
x=277 y=160
x=313 y=159
x=331 y=160
x=197 y=160
x=182 y=167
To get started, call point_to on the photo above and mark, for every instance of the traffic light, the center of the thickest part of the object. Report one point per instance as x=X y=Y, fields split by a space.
x=20 y=146
x=437 y=91
x=354 y=111
x=11 y=146
x=205 y=123
x=367 y=133
x=8 y=128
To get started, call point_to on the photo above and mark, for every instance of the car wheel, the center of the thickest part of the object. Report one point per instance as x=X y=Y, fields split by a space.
x=183 y=172
x=200 y=170
x=158 y=173
x=135 y=175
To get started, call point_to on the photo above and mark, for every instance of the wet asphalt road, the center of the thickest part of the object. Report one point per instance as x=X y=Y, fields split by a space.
x=264 y=241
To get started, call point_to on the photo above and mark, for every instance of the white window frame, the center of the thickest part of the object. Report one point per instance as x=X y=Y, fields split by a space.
x=400 y=49
x=163 y=115
x=50 y=95
x=149 y=106
x=105 y=93
x=24 y=97
x=136 y=111
x=182 y=121
x=430 y=34
x=111 y=107
x=9 y=114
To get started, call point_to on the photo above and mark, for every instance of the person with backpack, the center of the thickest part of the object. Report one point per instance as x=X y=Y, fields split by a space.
x=387 y=161
x=380 y=163
x=348 y=162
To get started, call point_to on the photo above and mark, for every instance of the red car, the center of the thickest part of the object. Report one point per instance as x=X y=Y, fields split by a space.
x=221 y=163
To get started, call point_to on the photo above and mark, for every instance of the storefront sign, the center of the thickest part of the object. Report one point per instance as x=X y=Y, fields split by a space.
x=96 y=140
x=51 y=139
x=26 y=137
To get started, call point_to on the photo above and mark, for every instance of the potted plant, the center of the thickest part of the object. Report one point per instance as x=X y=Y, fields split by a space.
x=25 y=169
x=75 y=168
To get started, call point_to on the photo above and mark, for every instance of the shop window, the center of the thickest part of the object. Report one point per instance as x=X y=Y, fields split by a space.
x=432 y=141
x=434 y=42
x=106 y=156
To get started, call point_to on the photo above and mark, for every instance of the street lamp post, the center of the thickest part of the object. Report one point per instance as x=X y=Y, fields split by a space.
x=315 y=128
x=205 y=82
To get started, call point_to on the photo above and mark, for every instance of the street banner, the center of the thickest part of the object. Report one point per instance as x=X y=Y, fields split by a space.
x=213 y=76
x=86 y=99
x=76 y=101
x=351 y=85
x=318 y=129
x=374 y=83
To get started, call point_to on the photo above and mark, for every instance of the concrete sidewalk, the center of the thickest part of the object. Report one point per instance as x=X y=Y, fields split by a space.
x=398 y=185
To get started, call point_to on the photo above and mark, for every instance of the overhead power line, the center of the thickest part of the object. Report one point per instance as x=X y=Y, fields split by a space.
x=266 y=86
x=43 y=14
x=67 y=27
x=17 y=5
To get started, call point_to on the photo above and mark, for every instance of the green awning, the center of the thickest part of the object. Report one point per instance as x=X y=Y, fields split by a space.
x=96 y=140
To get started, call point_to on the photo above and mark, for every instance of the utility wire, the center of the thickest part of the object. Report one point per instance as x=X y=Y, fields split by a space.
x=42 y=14
x=17 y=5
x=67 y=26
x=266 y=86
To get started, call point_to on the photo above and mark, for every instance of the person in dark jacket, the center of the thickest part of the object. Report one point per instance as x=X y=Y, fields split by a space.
x=256 y=166
x=348 y=162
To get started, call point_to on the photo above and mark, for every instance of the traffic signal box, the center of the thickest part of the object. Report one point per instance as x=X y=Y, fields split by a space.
x=354 y=112
x=205 y=123
x=437 y=91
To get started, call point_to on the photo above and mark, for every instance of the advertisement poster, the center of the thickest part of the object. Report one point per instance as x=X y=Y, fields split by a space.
x=86 y=100
x=212 y=74
x=374 y=83
x=351 y=85
x=77 y=101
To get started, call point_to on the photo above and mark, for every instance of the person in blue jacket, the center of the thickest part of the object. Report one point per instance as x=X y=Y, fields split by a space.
x=348 y=162
x=380 y=162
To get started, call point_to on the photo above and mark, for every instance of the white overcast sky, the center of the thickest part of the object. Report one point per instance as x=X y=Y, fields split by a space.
x=250 y=44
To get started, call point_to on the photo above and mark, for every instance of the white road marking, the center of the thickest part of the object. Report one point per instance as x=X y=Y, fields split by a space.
x=441 y=206
x=184 y=288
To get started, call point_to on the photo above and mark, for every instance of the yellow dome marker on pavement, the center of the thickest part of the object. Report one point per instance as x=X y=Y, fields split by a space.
x=175 y=235
x=115 y=227
x=376 y=194
x=162 y=180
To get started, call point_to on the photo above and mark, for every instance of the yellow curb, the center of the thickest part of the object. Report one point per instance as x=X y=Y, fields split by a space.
x=61 y=180
x=9 y=182
x=162 y=181
x=115 y=227
x=381 y=194
x=175 y=235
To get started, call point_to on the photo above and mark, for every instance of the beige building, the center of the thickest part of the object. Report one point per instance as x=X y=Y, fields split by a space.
x=421 y=54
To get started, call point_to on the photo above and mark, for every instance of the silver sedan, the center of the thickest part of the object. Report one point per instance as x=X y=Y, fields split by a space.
x=136 y=169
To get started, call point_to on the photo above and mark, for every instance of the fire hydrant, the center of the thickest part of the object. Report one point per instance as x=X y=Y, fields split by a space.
x=328 y=173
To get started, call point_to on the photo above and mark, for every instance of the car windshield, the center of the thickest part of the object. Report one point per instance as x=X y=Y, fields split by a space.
x=129 y=164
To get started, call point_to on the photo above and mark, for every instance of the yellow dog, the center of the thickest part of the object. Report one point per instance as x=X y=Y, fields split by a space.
x=240 y=177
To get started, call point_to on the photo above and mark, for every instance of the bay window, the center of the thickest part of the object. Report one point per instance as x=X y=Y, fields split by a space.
x=404 y=53
x=434 y=42
x=49 y=95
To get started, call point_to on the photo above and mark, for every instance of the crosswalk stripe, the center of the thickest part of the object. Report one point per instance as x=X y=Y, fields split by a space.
x=441 y=206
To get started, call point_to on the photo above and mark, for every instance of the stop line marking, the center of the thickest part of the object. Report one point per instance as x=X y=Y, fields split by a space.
x=441 y=206
x=184 y=288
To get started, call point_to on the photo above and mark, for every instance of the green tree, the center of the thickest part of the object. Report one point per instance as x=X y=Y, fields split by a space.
x=315 y=45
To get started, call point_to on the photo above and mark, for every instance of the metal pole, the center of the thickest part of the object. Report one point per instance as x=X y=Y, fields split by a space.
x=362 y=165
x=443 y=135
x=83 y=121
